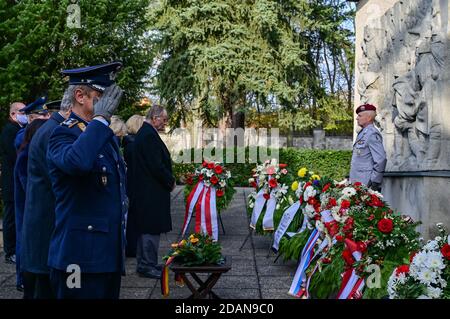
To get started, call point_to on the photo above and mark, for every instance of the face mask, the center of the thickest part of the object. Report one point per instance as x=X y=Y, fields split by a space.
x=22 y=119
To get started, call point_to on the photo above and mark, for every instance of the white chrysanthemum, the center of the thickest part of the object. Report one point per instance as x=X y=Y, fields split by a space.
x=419 y=259
x=309 y=209
x=207 y=183
x=251 y=180
x=427 y=276
x=251 y=205
x=228 y=174
x=434 y=293
x=435 y=261
x=348 y=192
x=309 y=192
x=277 y=176
x=223 y=183
x=431 y=245
x=209 y=173
x=393 y=282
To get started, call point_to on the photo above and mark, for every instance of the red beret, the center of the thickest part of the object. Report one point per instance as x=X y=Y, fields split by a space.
x=365 y=107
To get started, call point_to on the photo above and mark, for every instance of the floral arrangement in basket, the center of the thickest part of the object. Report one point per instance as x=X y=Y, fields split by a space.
x=208 y=191
x=270 y=181
x=354 y=231
x=197 y=250
x=428 y=274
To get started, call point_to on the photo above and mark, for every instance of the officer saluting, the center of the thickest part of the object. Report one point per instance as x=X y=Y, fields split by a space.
x=369 y=157
x=88 y=179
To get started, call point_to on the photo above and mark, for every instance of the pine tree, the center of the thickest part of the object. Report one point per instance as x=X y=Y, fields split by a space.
x=36 y=43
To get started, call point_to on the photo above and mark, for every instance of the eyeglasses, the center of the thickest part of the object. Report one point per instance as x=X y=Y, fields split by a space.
x=164 y=119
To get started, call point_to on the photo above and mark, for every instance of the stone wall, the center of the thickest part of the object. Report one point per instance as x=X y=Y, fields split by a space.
x=178 y=142
x=403 y=67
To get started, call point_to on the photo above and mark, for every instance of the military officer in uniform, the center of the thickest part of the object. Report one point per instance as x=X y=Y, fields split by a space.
x=39 y=217
x=368 y=158
x=88 y=179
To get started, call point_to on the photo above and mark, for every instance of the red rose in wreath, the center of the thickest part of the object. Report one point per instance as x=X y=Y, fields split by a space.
x=385 y=225
x=403 y=269
x=200 y=177
x=205 y=164
x=273 y=183
x=325 y=188
x=210 y=165
x=214 y=179
x=348 y=258
x=266 y=196
x=218 y=169
x=282 y=165
x=219 y=193
x=332 y=202
x=345 y=204
x=445 y=250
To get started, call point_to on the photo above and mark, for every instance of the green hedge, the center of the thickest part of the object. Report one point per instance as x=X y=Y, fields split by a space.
x=333 y=163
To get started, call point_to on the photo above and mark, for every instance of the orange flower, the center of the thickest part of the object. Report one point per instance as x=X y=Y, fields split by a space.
x=194 y=240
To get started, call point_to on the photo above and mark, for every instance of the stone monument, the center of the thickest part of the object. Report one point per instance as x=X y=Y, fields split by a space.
x=403 y=67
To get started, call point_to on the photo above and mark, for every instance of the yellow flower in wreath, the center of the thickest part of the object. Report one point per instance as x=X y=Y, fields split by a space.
x=194 y=240
x=302 y=172
x=294 y=186
x=315 y=177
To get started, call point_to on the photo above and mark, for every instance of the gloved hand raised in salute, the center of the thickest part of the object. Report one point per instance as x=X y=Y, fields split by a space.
x=108 y=103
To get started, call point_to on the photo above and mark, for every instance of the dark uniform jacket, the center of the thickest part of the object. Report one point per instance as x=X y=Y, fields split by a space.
x=151 y=182
x=88 y=179
x=8 y=155
x=39 y=217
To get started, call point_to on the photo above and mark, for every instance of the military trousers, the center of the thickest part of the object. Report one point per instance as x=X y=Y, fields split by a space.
x=9 y=228
x=92 y=285
x=37 y=286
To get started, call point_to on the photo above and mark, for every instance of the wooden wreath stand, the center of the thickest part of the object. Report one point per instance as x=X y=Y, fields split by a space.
x=205 y=287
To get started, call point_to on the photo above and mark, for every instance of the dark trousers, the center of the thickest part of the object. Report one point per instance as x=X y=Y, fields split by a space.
x=9 y=228
x=132 y=236
x=37 y=286
x=147 y=252
x=93 y=286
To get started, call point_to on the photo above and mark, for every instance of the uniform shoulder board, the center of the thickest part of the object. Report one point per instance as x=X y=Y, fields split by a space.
x=71 y=122
x=81 y=126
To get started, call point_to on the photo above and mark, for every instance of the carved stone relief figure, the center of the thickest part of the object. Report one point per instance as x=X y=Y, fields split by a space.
x=367 y=83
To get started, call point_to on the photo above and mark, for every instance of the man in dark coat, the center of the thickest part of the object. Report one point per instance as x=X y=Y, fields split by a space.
x=152 y=182
x=39 y=217
x=8 y=155
x=86 y=253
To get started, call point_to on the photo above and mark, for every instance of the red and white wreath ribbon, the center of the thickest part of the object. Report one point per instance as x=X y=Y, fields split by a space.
x=203 y=199
x=297 y=287
x=352 y=285
x=270 y=204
